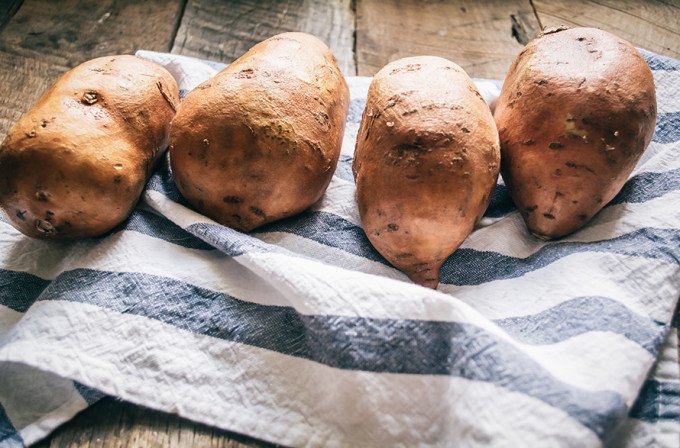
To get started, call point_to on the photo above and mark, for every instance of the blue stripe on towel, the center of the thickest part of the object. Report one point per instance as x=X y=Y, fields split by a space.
x=9 y=436
x=667 y=128
x=582 y=315
x=472 y=267
x=376 y=345
x=328 y=229
x=647 y=186
x=18 y=290
x=501 y=203
x=658 y=400
x=90 y=395
x=559 y=323
x=151 y=224
x=659 y=62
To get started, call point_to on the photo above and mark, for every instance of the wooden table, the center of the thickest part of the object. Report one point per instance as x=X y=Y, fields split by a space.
x=41 y=39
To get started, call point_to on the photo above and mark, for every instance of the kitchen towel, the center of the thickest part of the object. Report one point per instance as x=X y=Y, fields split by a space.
x=300 y=333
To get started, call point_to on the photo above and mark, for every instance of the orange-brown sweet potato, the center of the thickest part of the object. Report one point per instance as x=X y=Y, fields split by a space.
x=575 y=114
x=426 y=163
x=76 y=163
x=261 y=140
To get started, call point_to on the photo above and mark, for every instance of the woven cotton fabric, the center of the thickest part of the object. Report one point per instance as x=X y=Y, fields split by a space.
x=300 y=333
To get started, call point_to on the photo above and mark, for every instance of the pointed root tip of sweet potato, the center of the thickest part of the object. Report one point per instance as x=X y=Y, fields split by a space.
x=428 y=277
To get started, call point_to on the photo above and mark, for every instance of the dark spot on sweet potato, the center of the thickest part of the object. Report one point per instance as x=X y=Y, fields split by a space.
x=558 y=172
x=465 y=130
x=117 y=179
x=528 y=142
x=232 y=200
x=583 y=217
x=247 y=73
x=531 y=209
x=258 y=212
x=392 y=227
x=89 y=98
x=542 y=82
x=323 y=119
x=403 y=255
x=555 y=145
x=45 y=227
x=548 y=216
x=21 y=214
x=575 y=165
x=598 y=199
x=41 y=196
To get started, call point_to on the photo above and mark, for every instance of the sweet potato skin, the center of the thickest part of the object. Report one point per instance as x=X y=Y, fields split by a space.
x=426 y=163
x=575 y=114
x=75 y=164
x=260 y=141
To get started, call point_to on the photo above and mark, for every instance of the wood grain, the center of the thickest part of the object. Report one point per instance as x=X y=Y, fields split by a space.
x=223 y=31
x=46 y=38
x=476 y=35
x=653 y=25
x=111 y=422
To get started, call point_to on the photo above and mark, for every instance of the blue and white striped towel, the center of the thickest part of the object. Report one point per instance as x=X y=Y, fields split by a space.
x=302 y=334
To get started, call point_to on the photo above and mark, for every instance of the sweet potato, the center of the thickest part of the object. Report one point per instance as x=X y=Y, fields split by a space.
x=261 y=140
x=76 y=163
x=426 y=163
x=575 y=114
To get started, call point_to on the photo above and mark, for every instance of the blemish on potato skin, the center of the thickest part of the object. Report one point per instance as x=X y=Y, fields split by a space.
x=555 y=145
x=531 y=208
x=45 y=227
x=89 y=98
x=392 y=227
x=41 y=196
x=21 y=214
x=548 y=216
x=258 y=212
x=232 y=200
x=403 y=255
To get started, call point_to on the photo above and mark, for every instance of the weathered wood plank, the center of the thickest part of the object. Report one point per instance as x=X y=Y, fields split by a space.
x=478 y=36
x=223 y=31
x=653 y=24
x=111 y=422
x=45 y=38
